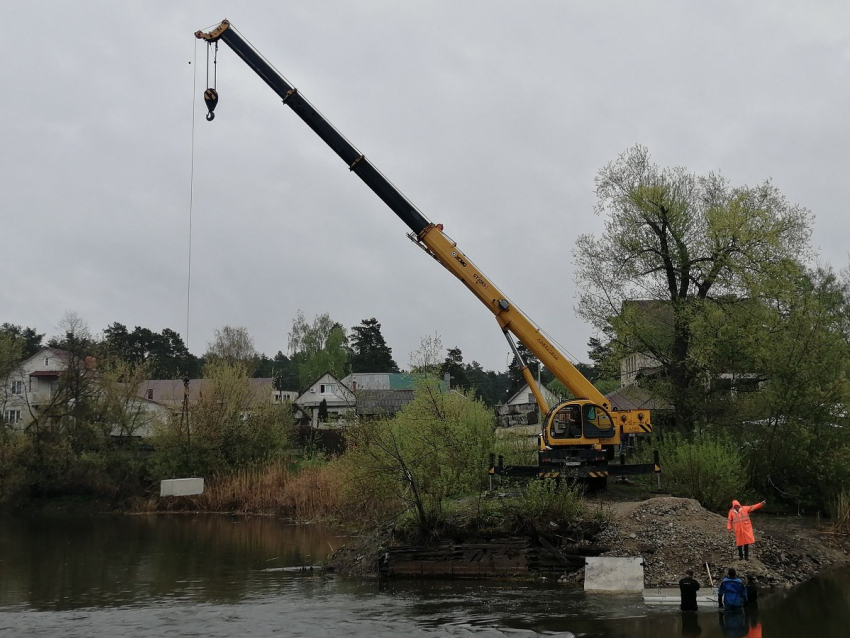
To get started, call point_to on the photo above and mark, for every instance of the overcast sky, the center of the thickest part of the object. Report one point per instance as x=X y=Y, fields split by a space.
x=493 y=117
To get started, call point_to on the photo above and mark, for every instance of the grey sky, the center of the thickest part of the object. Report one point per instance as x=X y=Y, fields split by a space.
x=493 y=117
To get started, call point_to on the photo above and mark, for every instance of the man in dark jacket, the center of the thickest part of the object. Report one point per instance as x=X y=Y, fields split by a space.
x=732 y=594
x=752 y=592
x=688 y=588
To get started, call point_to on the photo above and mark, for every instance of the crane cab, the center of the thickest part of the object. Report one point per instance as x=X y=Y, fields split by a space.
x=578 y=423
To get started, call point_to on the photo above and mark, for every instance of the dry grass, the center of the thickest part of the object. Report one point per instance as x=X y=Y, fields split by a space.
x=310 y=494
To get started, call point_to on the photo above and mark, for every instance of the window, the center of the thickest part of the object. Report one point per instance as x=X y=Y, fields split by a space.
x=17 y=387
x=327 y=388
x=531 y=397
x=12 y=416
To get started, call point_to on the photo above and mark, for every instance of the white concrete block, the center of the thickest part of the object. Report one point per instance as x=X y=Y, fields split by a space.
x=604 y=573
x=181 y=487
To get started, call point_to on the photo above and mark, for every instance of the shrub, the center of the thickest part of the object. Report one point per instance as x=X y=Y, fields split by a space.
x=707 y=468
x=437 y=447
x=545 y=503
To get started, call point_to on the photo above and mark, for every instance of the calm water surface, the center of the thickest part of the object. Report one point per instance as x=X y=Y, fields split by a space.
x=219 y=576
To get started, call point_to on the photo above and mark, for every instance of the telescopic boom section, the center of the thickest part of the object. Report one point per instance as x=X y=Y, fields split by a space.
x=429 y=235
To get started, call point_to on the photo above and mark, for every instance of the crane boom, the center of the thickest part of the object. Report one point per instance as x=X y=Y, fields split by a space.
x=599 y=426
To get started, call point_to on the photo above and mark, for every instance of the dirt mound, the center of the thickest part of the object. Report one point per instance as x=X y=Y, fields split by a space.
x=675 y=534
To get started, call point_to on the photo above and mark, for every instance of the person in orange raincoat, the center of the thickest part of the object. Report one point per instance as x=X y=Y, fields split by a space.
x=739 y=522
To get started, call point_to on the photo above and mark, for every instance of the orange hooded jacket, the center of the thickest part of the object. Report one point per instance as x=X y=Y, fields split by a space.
x=739 y=521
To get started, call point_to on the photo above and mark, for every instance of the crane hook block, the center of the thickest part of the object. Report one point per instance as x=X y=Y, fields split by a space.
x=211 y=100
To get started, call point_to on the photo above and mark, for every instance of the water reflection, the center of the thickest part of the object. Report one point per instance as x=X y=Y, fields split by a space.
x=63 y=563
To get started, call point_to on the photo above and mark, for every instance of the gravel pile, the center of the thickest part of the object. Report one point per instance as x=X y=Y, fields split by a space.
x=675 y=534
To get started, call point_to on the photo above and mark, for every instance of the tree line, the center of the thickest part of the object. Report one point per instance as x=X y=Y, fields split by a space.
x=314 y=347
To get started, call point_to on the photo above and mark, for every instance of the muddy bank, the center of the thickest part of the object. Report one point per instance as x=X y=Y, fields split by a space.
x=670 y=534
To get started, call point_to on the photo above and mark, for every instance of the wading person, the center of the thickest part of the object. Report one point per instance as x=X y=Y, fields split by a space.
x=752 y=592
x=688 y=588
x=732 y=594
x=739 y=522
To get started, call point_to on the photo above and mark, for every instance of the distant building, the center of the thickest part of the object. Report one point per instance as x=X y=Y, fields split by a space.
x=170 y=392
x=357 y=395
x=521 y=408
x=35 y=383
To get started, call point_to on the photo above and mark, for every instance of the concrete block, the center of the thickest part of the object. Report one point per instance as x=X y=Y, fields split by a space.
x=181 y=487
x=604 y=573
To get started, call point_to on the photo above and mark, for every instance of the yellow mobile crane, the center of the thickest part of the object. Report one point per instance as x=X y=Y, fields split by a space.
x=578 y=437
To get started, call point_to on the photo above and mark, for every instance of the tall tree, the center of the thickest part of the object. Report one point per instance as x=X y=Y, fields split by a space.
x=319 y=347
x=687 y=242
x=233 y=345
x=491 y=386
x=163 y=354
x=370 y=352
x=453 y=366
x=285 y=372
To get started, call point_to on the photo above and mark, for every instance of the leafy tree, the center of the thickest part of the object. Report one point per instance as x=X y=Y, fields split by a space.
x=319 y=347
x=425 y=360
x=370 y=352
x=30 y=339
x=233 y=345
x=435 y=448
x=686 y=243
x=229 y=427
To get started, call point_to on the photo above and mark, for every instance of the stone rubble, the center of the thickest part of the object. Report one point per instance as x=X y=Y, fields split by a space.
x=675 y=534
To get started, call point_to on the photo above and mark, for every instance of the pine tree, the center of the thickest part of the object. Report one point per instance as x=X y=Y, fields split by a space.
x=371 y=352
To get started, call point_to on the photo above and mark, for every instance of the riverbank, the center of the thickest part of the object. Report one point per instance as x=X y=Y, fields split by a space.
x=671 y=535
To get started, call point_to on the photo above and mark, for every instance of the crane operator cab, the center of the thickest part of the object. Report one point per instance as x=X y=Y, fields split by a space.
x=578 y=422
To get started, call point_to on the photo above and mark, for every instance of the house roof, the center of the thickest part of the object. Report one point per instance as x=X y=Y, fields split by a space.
x=45 y=373
x=375 y=402
x=379 y=381
x=170 y=391
x=63 y=355
x=525 y=389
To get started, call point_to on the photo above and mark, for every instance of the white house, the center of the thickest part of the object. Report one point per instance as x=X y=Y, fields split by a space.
x=31 y=385
x=337 y=396
x=521 y=408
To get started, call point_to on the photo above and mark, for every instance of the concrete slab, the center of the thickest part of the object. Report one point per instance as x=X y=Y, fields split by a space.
x=612 y=574
x=181 y=487
x=669 y=596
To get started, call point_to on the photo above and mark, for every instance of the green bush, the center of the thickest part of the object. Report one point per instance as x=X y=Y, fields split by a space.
x=15 y=449
x=547 y=503
x=228 y=429
x=707 y=467
x=436 y=447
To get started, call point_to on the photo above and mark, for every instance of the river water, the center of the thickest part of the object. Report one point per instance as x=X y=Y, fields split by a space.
x=184 y=575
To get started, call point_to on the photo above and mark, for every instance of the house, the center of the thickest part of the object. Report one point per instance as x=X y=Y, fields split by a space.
x=359 y=394
x=170 y=392
x=337 y=397
x=35 y=383
x=521 y=408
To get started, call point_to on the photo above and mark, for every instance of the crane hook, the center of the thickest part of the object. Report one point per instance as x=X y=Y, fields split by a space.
x=211 y=100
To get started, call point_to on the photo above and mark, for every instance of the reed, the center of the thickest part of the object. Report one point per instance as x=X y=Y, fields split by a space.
x=312 y=493
x=841 y=513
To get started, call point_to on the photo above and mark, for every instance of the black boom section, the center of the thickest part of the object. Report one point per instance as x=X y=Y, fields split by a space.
x=371 y=176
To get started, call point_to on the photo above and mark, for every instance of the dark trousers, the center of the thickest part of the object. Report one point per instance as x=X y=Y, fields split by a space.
x=744 y=552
